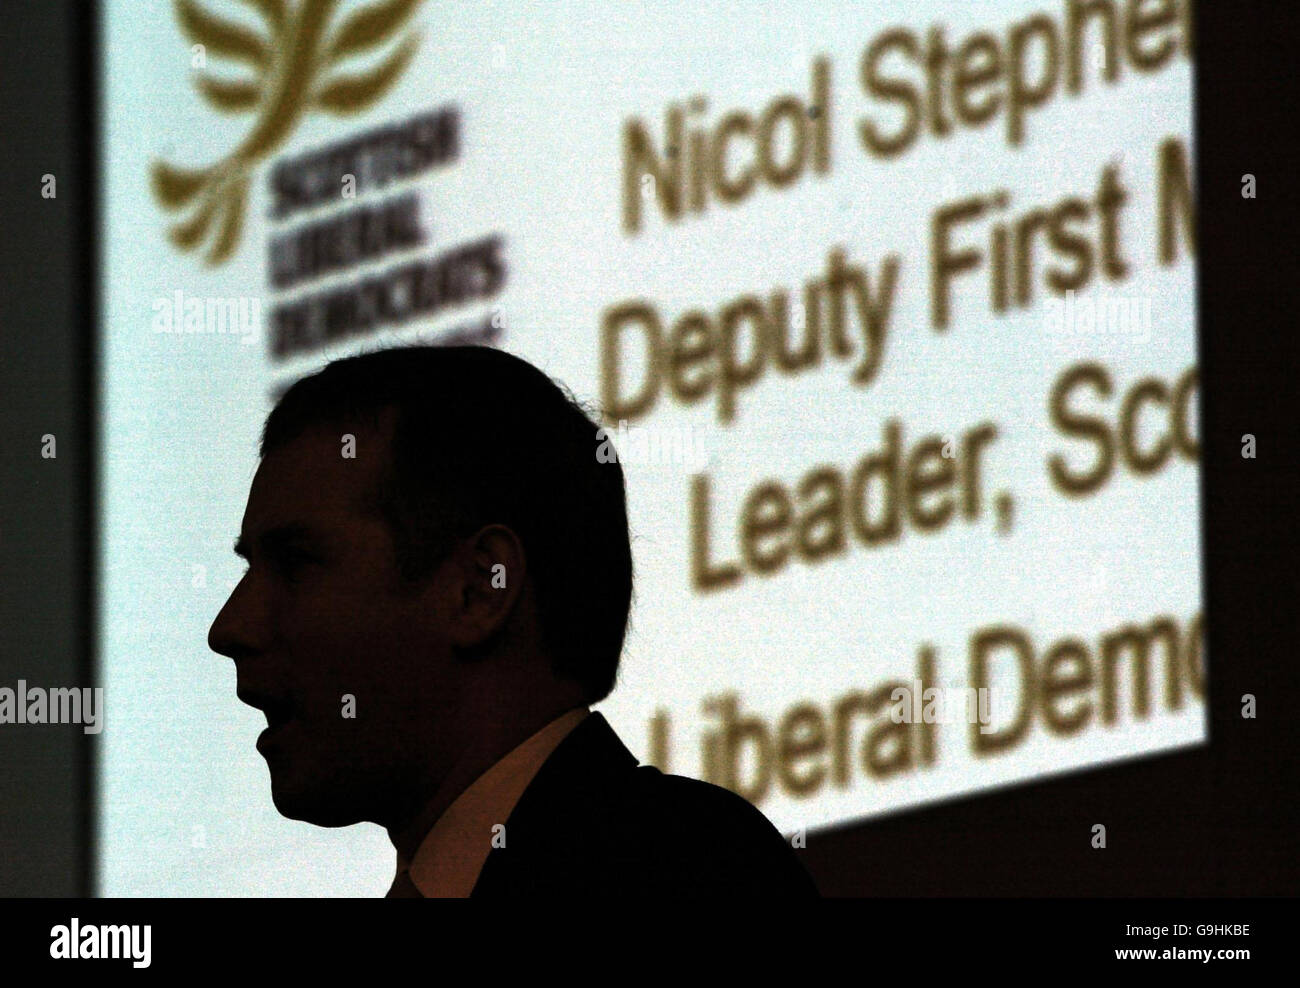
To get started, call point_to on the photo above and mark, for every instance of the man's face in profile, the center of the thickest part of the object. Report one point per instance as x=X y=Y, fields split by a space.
x=357 y=683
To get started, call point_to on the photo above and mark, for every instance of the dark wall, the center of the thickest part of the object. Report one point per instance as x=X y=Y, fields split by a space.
x=46 y=386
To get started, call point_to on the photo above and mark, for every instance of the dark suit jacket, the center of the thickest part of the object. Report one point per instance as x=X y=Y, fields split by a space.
x=592 y=822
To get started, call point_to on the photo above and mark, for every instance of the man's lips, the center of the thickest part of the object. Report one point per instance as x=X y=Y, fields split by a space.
x=278 y=713
x=268 y=738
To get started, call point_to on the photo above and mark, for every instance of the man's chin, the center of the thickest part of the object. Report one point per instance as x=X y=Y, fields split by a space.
x=312 y=805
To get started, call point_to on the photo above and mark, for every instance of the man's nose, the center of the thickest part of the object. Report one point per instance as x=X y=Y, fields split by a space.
x=240 y=625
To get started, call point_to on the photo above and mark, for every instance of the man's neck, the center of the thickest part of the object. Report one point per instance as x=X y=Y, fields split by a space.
x=476 y=758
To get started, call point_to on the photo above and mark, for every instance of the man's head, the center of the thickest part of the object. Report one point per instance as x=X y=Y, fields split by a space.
x=434 y=551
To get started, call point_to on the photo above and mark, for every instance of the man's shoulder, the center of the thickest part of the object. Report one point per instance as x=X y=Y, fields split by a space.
x=594 y=821
x=694 y=835
x=669 y=799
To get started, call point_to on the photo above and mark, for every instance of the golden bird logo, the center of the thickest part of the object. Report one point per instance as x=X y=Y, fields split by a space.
x=296 y=65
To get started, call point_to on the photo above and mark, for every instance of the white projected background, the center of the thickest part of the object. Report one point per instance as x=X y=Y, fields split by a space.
x=829 y=608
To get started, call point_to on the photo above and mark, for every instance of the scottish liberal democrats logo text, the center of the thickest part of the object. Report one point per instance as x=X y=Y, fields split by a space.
x=296 y=69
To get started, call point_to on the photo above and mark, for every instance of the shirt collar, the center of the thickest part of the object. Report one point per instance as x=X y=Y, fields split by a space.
x=448 y=861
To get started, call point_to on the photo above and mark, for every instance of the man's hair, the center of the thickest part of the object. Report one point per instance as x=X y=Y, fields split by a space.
x=482 y=437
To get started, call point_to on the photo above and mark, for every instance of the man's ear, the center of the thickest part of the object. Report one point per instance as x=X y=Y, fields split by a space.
x=488 y=572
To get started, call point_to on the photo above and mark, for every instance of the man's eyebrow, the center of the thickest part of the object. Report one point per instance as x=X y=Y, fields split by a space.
x=276 y=537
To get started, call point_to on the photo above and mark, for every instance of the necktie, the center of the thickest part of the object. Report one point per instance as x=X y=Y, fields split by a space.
x=403 y=887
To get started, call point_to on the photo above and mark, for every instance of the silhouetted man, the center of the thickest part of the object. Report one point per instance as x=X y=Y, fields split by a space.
x=439 y=583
